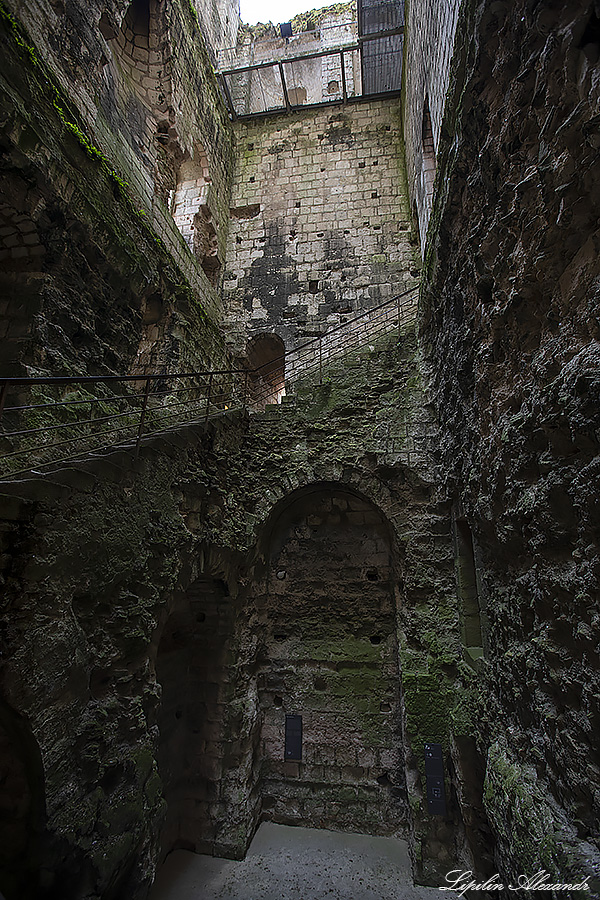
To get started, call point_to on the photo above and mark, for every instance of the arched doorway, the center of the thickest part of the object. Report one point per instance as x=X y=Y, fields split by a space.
x=331 y=735
x=22 y=818
x=266 y=360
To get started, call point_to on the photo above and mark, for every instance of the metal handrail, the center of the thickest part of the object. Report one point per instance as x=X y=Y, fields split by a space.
x=211 y=393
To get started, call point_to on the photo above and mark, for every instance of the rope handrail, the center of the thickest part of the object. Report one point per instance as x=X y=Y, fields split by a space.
x=122 y=418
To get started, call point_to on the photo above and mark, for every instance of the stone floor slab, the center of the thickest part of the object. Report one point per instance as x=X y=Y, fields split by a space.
x=286 y=863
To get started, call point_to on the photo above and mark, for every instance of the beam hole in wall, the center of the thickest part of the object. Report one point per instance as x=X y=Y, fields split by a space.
x=313 y=286
x=277 y=701
x=376 y=639
x=266 y=362
x=250 y=211
x=372 y=575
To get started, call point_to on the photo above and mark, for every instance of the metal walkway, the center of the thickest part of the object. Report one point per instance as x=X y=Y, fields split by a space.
x=48 y=421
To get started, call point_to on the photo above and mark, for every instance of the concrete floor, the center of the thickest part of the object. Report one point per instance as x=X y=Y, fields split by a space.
x=285 y=863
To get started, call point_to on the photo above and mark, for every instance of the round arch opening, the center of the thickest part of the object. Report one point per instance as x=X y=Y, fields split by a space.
x=328 y=687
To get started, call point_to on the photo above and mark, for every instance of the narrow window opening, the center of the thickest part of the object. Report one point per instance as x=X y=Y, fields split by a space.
x=429 y=162
x=467 y=587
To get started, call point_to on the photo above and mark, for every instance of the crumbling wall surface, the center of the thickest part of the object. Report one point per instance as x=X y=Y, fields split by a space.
x=430 y=30
x=101 y=592
x=89 y=286
x=366 y=430
x=320 y=224
x=135 y=651
x=329 y=654
x=510 y=323
x=220 y=23
x=134 y=83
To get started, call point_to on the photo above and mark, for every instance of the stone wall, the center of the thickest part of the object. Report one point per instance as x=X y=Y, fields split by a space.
x=157 y=683
x=329 y=654
x=220 y=23
x=510 y=322
x=320 y=224
x=430 y=29
x=97 y=274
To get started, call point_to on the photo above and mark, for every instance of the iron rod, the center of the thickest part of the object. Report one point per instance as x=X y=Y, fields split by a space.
x=142 y=417
x=208 y=398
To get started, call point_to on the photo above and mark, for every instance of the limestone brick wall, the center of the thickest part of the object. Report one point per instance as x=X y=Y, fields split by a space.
x=140 y=78
x=87 y=238
x=329 y=654
x=320 y=222
x=430 y=30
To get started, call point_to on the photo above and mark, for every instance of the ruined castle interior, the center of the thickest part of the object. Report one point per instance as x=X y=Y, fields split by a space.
x=300 y=413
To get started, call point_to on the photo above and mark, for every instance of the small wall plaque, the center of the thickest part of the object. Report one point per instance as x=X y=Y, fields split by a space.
x=293 y=738
x=434 y=779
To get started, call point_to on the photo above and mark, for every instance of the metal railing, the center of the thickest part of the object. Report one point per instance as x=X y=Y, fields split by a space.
x=47 y=421
x=292 y=80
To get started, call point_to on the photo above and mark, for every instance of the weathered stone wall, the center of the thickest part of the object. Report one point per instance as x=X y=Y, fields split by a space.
x=510 y=322
x=329 y=654
x=96 y=275
x=220 y=23
x=430 y=29
x=127 y=582
x=307 y=80
x=320 y=223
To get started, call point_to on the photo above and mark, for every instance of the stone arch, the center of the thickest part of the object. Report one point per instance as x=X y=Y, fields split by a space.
x=23 y=812
x=325 y=603
x=141 y=69
x=359 y=479
x=138 y=48
x=265 y=354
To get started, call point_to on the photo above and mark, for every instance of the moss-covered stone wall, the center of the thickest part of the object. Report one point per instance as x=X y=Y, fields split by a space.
x=95 y=275
x=111 y=570
x=510 y=325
